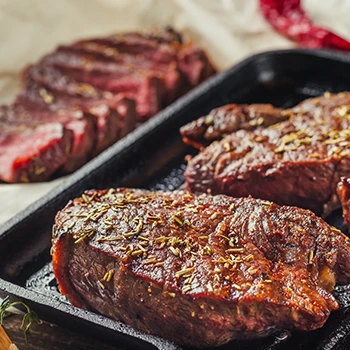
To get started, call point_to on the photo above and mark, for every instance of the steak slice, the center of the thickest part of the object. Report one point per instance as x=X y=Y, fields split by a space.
x=126 y=109
x=164 y=46
x=198 y=270
x=156 y=46
x=107 y=119
x=296 y=162
x=223 y=121
x=194 y=64
x=31 y=151
x=93 y=57
x=81 y=124
x=343 y=190
x=145 y=90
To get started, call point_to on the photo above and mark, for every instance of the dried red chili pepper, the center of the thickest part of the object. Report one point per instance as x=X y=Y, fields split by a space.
x=290 y=20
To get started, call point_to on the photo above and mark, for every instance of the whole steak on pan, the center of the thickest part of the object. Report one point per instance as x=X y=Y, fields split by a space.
x=296 y=162
x=198 y=270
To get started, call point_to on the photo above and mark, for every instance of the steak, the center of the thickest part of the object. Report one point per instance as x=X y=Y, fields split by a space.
x=161 y=48
x=296 y=162
x=198 y=270
x=114 y=117
x=145 y=89
x=194 y=64
x=99 y=58
x=81 y=124
x=223 y=121
x=343 y=190
x=31 y=150
x=101 y=89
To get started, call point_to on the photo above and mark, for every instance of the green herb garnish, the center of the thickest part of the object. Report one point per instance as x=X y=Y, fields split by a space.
x=28 y=319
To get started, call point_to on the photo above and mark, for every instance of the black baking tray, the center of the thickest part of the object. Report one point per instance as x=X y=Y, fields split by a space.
x=152 y=157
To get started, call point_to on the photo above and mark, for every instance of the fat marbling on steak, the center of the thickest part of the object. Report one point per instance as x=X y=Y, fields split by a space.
x=296 y=162
x=198 y=270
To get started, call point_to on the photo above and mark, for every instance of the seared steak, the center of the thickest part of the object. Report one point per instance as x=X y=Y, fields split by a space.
x=296 y=162
x=153 y=69
x=343 y=190
x=225 y=120
x=114 y=117
x=145 y=89
x=198 y=270
x=81 y=124
x=161 y=47
x=31 y=150
x=99 y=58
x=102 y=88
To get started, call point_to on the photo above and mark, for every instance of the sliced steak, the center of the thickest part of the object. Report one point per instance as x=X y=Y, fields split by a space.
x=158 y=47
x=194 y=64
x=98 y=58
x=165 y=46
x=296 y=162
x=31 y=151
x=107 y=119
x=198 y=270
x=102 y=88
x=145 y=90
x=223 y=121
x=343 y=190
x=81 y=124
x=126 y=109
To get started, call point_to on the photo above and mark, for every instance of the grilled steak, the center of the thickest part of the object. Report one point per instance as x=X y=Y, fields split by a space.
x=31 y=150
x=225 y=120
x=296 y=162
x=81 y=124
x=148 y=68
x=114 y=116
x=99 y=58
x=102 y=88
x=145 y=89
x=161 y=47
x=198 y=270
x=194 y=64
x=343 y=190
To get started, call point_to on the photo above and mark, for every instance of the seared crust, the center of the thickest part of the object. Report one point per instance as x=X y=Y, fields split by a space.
x=296 y=162
x=212 y=268
x=343 y=190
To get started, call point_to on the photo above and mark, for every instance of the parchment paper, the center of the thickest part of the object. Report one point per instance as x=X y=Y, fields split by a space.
x=229 y=30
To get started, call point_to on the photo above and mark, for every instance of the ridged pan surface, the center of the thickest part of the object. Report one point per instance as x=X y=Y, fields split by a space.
x=152 y=157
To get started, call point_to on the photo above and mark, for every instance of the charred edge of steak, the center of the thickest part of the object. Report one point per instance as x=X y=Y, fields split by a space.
x=343 y=190
x=198 y=270
x=100 y=59
x=222 y=121
x=147 y=91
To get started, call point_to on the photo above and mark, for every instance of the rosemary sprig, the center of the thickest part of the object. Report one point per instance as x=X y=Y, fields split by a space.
x=28 y=319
